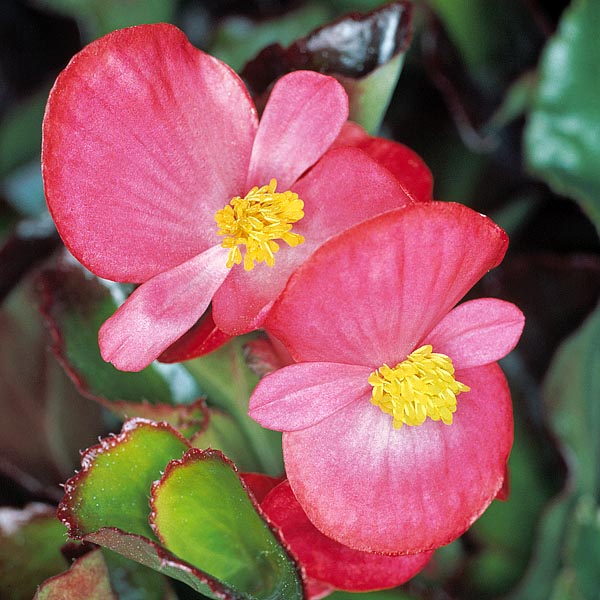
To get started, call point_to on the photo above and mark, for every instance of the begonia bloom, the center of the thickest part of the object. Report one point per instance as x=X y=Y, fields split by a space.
x=326 y=560
x=381 y=296
x=147 y=140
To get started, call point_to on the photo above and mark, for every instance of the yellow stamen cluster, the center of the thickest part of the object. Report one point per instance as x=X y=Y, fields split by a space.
x=421 y=386
x=255 y=221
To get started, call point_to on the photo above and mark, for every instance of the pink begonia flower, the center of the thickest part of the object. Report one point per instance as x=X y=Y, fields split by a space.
x=326 y=560
x=397 y=420
x=146 y=140
x=326 y=564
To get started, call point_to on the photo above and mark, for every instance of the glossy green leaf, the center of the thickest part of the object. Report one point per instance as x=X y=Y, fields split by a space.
x=112 y=488
x=87 y=579
x=385 y=595
x=202 y=513
x=227 y=381
x=75 y=304
x=30 y=542
x=571 y=390
x=562 y=139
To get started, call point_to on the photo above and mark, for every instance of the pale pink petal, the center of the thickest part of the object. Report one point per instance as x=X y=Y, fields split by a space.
x=303 y=116
x=379 y=489
x=369 y=295
x=303 y=394
x=162 y=310
x=477 y=332
x=405 y=164
x=328 y=561
x=344 y=188
x=144 y=138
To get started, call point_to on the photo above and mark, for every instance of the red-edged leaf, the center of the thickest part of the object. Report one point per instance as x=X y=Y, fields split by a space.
x=87 y=579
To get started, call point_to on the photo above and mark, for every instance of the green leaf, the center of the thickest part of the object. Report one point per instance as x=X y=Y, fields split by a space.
x=571 y=391
x=385 y=595
x=106 y=503
x=202 y=513
x=112 y=488
x=87 y=579
x=30 y=542
x=562 y=138
x=75 y=304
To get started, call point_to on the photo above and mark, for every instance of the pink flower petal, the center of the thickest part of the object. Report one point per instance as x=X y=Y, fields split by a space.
x=408 y=490
x=161 y=310
x=328 y=561
x=477 y=332
x=301 y=395
x=405 y=164
x=369 y=295
x=344 y=188
x=144 y=138
x=303 y=116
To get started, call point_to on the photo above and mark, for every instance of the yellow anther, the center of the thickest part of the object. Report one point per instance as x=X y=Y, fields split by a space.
x=256 y=221
x=421 y=386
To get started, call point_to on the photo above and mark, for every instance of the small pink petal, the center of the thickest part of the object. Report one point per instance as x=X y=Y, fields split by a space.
x=301 y=395
x=144 y=138
x=369 y=295
x=328 y=561
x=162 y=310
x=405 y=164
x=408 y=490
x=344 y=188
x=303 y=116
x=477 y=332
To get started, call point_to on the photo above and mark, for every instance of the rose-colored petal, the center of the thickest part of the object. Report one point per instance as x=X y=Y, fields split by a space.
x=328 y=561
x=477 y=332
x=161 y=310
x=344 y=188
x=144 y=138
x=405 y=164
x=202 y=338
x=303 y=394
x=303 y=116
x=260 y=484
x=369 y=295
x=379 y=489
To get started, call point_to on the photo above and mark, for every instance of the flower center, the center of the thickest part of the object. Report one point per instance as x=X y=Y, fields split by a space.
x=421 y=386
x=256 y=221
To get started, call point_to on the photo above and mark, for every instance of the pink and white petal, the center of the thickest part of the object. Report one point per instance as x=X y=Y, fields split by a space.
x=162 y=310
x=303 y=116
x=328 y=561
x=344 y=188
x=408 y=490
x=303 y=394
x=405 y=164
x=369 y=295
x=477 y=332
x=144 y=138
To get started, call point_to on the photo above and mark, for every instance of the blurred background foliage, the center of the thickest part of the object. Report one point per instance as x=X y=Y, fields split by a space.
x=502 y=101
